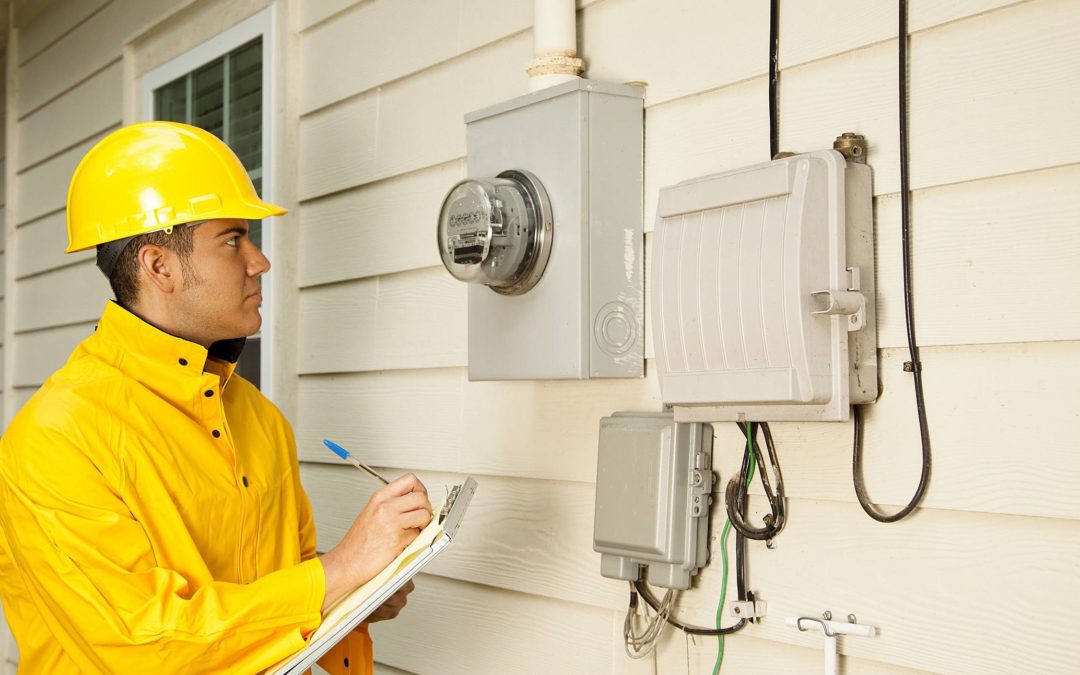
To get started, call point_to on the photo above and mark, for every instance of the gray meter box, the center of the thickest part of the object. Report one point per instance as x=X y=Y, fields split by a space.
x=584 y=318
x=653 y=489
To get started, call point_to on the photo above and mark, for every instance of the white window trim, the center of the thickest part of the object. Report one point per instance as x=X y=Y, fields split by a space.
x=260 y=24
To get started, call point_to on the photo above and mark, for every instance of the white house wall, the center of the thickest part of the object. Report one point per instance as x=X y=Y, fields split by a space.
x=983 y=579
x=990 y=213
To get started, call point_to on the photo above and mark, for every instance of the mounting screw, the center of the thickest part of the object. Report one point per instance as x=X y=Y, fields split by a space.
x=851 y=618
x=827 y=615
x=737 y=610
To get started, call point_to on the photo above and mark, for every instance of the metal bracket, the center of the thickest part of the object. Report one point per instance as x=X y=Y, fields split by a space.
x=831 y=629
x=854 y=279
x=848 y=303
x=748 y=609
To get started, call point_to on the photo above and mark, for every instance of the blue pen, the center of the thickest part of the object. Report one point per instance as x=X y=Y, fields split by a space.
x=344 y=454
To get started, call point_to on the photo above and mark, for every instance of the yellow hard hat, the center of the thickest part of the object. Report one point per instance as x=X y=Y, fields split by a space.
x=154 y=175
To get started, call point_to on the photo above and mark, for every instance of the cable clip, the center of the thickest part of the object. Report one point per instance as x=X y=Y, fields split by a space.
x=912 y=366
x=748 y=609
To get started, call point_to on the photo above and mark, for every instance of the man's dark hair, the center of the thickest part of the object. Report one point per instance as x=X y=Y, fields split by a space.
x=125 y=276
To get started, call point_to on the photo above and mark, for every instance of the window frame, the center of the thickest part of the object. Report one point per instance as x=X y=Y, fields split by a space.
x=260 y=24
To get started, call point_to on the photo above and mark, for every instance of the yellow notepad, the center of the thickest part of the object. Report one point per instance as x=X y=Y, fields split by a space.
x=344 y=615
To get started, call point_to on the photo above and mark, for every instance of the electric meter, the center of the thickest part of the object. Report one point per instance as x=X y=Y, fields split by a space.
x=497 y=231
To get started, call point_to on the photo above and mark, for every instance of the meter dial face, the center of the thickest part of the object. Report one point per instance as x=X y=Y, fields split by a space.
x=497 y=231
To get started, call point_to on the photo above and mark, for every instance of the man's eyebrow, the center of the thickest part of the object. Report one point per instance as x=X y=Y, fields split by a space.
x=235 y=229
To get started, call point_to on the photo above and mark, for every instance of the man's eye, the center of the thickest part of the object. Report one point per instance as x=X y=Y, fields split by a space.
x=232 y=241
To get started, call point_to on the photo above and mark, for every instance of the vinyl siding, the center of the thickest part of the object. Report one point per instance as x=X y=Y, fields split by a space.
x=383 y=368
x=374 y=138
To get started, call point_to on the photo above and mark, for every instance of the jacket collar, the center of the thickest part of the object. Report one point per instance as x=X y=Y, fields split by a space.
x=140 y=347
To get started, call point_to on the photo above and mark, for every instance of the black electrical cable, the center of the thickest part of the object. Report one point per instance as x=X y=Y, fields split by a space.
x=737 y=487
x=646 y=594
x=740 y=582
x=915 y=366
x=740 y=541
x=774 y=48
x=740 y=577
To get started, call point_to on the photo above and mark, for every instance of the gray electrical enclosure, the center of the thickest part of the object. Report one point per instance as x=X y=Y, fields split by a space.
x=584 y=316
x=763 y=292
x=653 y=489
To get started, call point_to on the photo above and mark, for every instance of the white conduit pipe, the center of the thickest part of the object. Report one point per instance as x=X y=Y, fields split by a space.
x=831 y=629
x=554 y=44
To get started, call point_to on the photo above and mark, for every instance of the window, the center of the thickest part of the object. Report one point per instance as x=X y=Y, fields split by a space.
x=222 y=86
x=225 y=98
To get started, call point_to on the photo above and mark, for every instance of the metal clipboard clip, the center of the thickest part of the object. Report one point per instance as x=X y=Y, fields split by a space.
x=457 y=502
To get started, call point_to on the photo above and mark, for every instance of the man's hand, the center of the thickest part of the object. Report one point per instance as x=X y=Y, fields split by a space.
x=392 y=607
x=391 y=520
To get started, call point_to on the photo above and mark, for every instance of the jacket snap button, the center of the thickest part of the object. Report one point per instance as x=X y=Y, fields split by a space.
x=183 y=362
x=215 y=433
x=245 y=481
x=208 y=393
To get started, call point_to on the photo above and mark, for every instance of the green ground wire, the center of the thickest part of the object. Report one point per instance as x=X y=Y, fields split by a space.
x=724 y=557
x=723 y=596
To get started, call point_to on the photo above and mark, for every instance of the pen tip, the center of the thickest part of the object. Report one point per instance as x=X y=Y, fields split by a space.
x=336 y=449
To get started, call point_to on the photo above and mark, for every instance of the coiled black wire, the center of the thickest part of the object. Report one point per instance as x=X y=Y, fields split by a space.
x=737 y=487
x=915 y=366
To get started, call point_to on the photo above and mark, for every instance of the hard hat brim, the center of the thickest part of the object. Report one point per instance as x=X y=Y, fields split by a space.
x=248 y=211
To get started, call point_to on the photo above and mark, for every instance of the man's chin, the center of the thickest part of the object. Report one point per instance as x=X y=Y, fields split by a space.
x=256 y=325
x=248 y=328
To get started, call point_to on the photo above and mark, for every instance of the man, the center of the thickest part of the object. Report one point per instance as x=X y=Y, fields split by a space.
x=151 y=511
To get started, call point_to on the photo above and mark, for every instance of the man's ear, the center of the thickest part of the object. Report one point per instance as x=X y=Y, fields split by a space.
x=160 y=267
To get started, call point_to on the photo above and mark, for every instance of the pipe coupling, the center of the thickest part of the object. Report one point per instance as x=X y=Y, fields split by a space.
x=563 y=62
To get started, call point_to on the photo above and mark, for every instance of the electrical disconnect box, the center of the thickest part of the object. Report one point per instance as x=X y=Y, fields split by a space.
x=763 y=292
x=547 y=231
x=654 y=482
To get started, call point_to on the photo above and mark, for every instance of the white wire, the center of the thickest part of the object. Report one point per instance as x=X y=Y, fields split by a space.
x=640 y=645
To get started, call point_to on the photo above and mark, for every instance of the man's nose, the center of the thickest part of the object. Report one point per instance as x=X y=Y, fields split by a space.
x=258 y=263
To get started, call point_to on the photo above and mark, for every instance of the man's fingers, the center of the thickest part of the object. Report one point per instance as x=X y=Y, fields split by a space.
x=415 y=484
x=404 y=484
x=394 y=604
x=401 y=596
x=417 y=519
x=414 y=501
x=410 y=510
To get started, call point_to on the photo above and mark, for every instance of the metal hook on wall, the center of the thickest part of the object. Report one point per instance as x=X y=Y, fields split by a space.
x=831 y=629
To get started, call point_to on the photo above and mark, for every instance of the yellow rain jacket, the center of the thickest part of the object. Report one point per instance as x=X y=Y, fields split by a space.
x=152 y=517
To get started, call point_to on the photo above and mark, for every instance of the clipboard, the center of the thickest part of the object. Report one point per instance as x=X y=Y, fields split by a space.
x=347 y=613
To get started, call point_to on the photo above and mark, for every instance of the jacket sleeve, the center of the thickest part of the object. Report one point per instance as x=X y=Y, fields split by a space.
x=353 y=655
x=93 y=573
x=304 y=515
